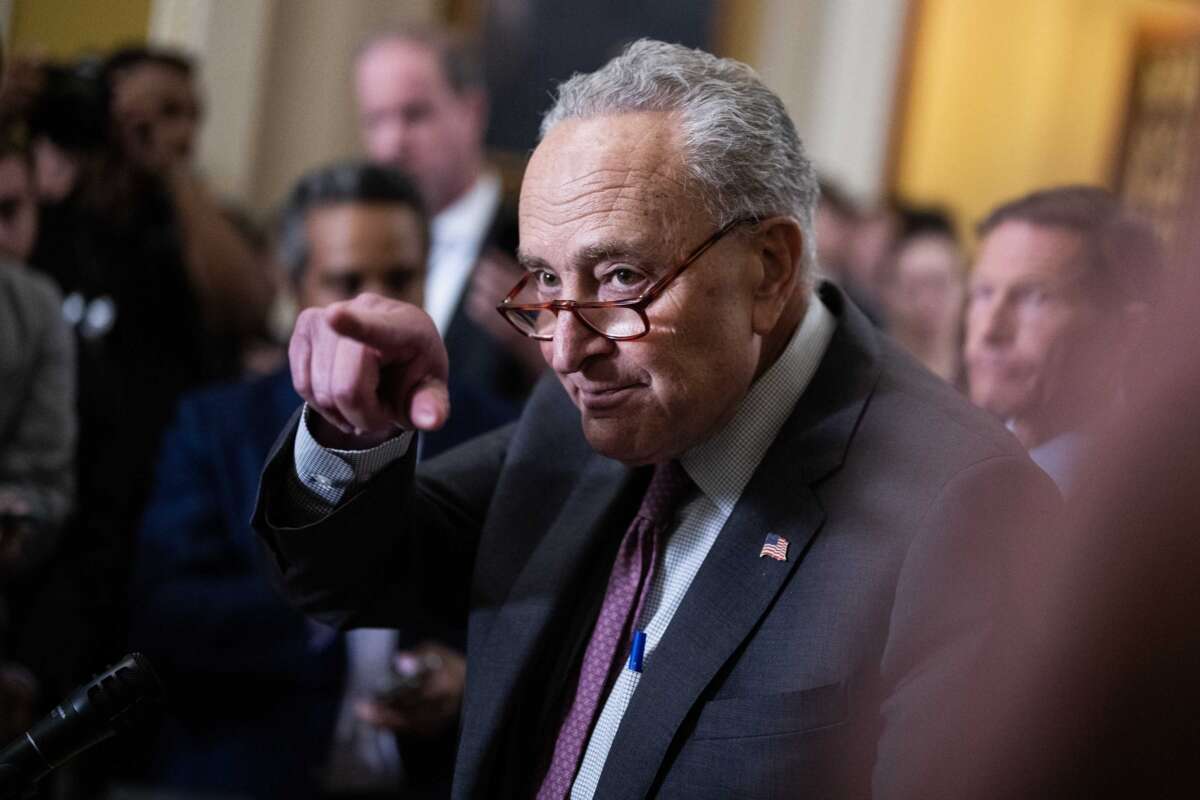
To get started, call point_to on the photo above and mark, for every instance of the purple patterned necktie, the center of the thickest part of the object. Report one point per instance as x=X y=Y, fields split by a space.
x=628 y=584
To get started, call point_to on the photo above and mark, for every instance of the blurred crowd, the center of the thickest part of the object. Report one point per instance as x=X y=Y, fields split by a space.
x=144 y=379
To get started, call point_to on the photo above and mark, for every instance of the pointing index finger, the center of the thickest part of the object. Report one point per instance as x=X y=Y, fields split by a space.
x=390 y=331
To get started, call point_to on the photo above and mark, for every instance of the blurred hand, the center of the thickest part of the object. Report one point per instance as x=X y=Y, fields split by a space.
x=432 y=704
x=494 y=276
x=367 y=367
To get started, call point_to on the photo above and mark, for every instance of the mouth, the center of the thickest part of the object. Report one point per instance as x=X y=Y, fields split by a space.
x=604 y=398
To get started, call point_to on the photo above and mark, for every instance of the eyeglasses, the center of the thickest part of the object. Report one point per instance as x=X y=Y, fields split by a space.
x=619 y=320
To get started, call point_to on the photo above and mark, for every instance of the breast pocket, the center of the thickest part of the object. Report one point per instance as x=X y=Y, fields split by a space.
x=772 y=714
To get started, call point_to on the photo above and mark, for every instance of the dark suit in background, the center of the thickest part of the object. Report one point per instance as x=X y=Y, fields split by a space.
x=253 y=687
x=807 y=677
x=483 y=372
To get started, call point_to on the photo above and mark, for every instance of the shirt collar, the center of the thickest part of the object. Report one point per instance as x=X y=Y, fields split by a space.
x=722 y=465
x=467 y=216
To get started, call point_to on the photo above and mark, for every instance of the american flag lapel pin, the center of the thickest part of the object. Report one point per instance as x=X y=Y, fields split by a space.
x=775 y=547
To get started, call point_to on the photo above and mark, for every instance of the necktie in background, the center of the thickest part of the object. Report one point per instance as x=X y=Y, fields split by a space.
x=628 y=584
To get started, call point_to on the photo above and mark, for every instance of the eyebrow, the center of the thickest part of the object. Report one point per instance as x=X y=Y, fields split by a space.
x=589 y=256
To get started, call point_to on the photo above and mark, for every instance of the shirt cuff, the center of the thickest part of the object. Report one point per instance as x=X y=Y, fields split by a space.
x=329 y=473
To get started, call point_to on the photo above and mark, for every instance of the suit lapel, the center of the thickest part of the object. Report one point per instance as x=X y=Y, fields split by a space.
x=735 y=588
x=540 y=599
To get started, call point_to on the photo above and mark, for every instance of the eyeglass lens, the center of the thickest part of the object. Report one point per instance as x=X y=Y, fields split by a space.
x=611 y=321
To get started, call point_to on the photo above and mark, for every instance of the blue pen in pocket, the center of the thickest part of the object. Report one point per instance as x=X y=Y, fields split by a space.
x=637 y=651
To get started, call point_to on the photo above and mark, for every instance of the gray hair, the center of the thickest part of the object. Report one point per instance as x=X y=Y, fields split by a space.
x=738 y=142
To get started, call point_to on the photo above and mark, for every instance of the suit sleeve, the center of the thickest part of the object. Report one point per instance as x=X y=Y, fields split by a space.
x=951 y=591
x=397 y=551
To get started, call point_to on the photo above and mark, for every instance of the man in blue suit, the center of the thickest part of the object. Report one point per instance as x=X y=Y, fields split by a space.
x=262 y=701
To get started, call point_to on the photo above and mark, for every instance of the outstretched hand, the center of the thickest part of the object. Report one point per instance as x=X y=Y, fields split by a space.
x=369 y=366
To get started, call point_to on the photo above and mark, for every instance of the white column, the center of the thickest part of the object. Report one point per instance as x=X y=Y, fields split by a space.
x=835 y=63
x=230 y=40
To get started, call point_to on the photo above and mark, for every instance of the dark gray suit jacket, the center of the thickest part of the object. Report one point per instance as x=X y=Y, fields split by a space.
x=810 y=677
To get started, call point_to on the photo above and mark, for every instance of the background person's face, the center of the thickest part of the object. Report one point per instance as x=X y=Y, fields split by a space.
x=412 y=119
x=359 y=247
x=604 y=213
x=165 y=102
x=18 y=212
x=926 y=293
x=1034 y=338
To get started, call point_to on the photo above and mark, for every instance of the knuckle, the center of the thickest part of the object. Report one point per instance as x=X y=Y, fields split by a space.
x=322 y=398
x=347 y=394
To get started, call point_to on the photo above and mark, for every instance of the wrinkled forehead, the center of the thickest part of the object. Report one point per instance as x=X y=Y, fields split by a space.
x=608 y=178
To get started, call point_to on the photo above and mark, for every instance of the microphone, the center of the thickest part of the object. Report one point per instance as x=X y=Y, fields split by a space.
x=119 y=699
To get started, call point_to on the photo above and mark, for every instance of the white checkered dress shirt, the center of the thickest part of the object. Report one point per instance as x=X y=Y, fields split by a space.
x=720 y=467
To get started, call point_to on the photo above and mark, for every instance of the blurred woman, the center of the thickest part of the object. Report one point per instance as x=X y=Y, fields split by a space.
x=924 y=289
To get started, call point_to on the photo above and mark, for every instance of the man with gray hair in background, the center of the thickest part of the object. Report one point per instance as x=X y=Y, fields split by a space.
x=740 y=546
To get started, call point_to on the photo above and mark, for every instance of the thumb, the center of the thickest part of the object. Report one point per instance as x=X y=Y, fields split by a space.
x=429 y=404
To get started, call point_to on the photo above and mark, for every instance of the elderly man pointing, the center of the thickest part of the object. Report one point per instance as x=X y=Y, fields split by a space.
x=740 y=547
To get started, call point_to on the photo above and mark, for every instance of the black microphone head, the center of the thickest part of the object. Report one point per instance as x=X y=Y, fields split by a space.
x=123 y=697
x=120 y=698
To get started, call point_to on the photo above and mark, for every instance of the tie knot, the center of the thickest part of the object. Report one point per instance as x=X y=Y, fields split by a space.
x=667 y=487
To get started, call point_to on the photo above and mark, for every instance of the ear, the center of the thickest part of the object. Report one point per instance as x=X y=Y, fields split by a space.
x=780 y=249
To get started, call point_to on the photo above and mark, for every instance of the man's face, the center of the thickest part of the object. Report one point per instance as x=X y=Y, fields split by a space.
x=604 y=214
x=18 y=212
x=360 y=247
x=1034 y=338
x=163 y=101
x=412 y=118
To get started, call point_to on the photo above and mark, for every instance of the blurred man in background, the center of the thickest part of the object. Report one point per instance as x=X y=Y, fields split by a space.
x=1061 y=288
x=156 y=108
x=264 y=704
x=423 y=109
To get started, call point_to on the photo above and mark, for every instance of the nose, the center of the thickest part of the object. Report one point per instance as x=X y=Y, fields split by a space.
x=388 y=140
x=991 y=322
x=574 y=343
